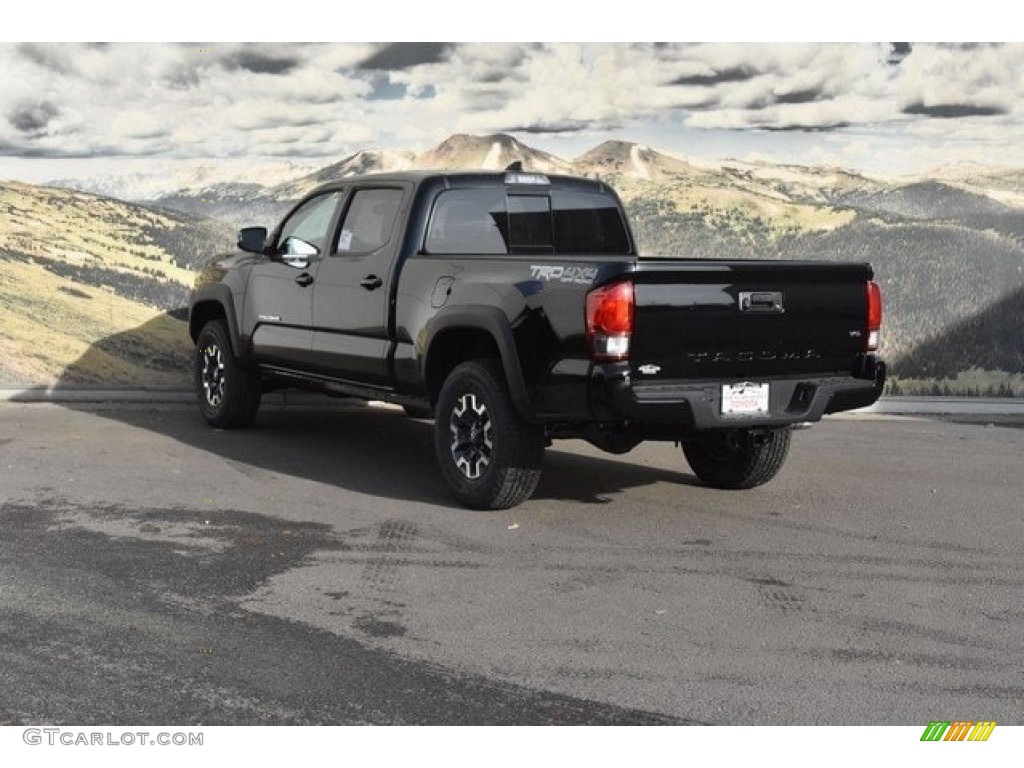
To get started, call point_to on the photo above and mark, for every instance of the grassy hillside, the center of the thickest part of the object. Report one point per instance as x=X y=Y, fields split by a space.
x=76 y=269
x=52 y=323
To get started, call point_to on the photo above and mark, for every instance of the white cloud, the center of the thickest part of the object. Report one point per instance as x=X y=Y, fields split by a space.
x=980 y=76
x=235 y=100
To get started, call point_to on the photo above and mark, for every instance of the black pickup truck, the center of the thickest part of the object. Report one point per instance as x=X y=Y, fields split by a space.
x=514 y=309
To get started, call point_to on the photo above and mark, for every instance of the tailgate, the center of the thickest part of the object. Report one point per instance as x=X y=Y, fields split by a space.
x=745 y=320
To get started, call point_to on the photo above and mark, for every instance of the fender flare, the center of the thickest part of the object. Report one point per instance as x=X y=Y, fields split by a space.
x=220 y=294
x=493 y=322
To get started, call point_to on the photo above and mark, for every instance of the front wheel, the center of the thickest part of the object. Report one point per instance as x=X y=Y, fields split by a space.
x=490 y=457
x=738 y=460
x=228 y=394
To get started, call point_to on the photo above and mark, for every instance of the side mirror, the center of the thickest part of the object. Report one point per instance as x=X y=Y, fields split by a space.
x=253 y=239
x=296 y=253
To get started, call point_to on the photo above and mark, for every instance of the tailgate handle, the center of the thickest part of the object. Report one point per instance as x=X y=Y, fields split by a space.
x=762 y=301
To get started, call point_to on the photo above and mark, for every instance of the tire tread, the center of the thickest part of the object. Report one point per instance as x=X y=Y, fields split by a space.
x=523 y=453
x=243 y=389
x=751 y=466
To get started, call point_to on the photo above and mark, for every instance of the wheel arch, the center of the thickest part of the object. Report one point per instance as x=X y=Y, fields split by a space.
x=212 y=303
x=468 y=333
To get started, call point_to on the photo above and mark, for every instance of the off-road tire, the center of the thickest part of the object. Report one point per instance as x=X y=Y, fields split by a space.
x=489 y=455
x=739 y=460
x=228 y=394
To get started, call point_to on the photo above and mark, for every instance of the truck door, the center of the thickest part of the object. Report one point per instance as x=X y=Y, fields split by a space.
x=353 y=287
x=279 y=300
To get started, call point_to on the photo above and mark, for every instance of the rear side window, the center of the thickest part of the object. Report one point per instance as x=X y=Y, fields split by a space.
x=486 y=221
x=370 y=220
x=469 y=221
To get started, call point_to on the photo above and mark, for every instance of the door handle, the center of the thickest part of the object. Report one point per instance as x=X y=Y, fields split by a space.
x=304 y=279
x=371 y=282
x=762 y=301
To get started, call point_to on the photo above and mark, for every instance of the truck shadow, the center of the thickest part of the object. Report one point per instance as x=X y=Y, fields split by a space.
x=341 y=443
x=370 y=450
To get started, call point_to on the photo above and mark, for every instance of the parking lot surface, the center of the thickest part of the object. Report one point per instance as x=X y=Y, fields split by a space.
x=312 y=569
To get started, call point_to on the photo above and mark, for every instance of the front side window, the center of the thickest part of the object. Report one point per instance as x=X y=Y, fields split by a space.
x=307 y=226
x=370 y=221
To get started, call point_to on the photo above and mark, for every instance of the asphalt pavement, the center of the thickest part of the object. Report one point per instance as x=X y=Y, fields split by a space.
x=313 y=569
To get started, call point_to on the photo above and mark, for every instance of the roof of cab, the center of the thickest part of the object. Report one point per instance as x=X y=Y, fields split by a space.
x=457 y=178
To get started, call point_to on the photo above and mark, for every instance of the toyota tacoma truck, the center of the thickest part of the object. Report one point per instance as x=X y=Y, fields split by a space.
x=514 y=309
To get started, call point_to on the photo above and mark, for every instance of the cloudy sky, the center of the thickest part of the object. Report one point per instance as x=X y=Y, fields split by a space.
x=73 y=109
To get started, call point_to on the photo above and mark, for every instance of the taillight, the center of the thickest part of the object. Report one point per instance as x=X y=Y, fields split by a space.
x=610 y=320
x=874 y=316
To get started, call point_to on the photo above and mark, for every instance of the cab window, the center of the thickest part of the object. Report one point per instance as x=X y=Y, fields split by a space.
x=588 y=222
x=369 y=222
x=562 y=222
x=308 y=225
x=529 y=222
x=469 y=221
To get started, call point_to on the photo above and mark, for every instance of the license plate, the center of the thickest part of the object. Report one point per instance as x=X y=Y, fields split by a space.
x=746 y=399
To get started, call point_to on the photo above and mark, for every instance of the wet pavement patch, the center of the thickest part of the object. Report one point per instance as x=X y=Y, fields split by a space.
x=131 y=616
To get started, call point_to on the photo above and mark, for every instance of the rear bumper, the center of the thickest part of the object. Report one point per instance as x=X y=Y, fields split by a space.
x=697 y=405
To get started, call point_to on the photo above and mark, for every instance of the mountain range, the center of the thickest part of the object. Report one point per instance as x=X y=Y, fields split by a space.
x=948 y=246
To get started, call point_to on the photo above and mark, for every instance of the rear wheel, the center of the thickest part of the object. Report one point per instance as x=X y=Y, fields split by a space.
x=740 y=459
x=490 y=457
x=228 y=394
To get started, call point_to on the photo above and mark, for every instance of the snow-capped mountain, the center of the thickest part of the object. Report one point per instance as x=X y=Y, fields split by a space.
x=634 y=160
x=489 y=153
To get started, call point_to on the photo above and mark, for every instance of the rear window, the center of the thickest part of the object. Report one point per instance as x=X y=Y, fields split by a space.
x=529 y=224
x=588 y=222
x=486 y=221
